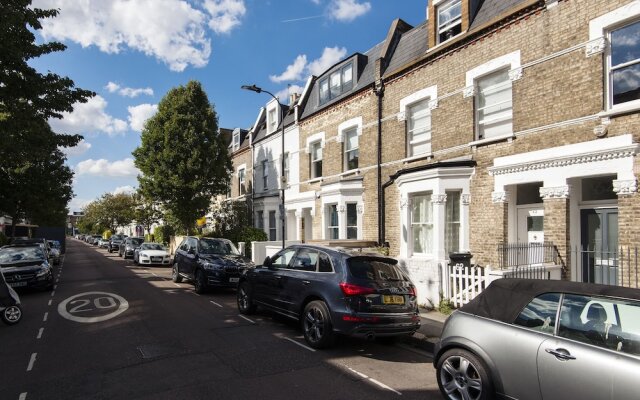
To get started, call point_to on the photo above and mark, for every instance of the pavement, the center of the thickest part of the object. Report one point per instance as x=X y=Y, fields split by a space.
x=431 y=324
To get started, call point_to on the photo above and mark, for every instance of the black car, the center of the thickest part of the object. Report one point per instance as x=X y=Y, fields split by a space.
x=129 y=246
x=333 y=291
x=26 y=266
x=115 y=241
x=208 y=262
x=42 y=242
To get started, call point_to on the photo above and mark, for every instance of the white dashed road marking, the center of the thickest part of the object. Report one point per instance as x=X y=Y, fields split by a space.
x=245 y=318
x=219 y=305
x=375 y=382
x=46 y=315
x=32 y=361
x=23 y=396
x=40 y=333
x=300 y=344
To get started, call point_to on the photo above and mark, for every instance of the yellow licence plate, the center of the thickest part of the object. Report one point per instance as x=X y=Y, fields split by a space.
x=392 y=299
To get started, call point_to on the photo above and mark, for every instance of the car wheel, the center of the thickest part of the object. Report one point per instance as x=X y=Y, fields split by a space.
x=199 y=282
x=109 y=250
x=245 y=299
x=12 y=315
x=462 y=375
x=316 y=325
x=175 y=276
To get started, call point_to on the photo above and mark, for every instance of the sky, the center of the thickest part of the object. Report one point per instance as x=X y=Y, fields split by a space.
x=132 y=52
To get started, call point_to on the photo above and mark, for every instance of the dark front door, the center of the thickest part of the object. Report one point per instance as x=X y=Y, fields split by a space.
x=599 y=231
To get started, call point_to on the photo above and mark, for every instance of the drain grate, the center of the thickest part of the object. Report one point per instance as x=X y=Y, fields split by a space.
x=149 y=351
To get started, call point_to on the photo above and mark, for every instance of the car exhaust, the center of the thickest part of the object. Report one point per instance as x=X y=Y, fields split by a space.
x=370 y=336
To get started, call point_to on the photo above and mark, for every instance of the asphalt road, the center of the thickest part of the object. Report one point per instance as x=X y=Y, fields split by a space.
x=111 y=330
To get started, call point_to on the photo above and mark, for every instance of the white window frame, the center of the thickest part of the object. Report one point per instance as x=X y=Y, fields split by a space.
x=356 y=149
x=599 y=31
x=480 y=123
x=411 y=144
x=265 y=174
x=287 y=166
x=511 y=61
x=242 y=173
x=273 y=116
x=236 y=141
x=273 y=228
x=429 y=94
x=453 y=23
x=341 y=83
x=447 y=219
x=347 y=226
x=260 y=219
x=429 y=223
x=330 y=227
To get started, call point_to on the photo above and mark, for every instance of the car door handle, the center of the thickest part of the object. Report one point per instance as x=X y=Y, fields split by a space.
x=278 y=277
x=560 y=354
x=306 y=282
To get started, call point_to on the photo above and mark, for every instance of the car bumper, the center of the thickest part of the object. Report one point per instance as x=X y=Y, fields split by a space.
x=32 y=283
x=365 y=325
x=147 y=261
x=222 y=279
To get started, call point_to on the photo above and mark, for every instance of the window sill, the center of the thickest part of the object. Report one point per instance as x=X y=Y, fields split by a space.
x=633 y=106
x=425 y=156
x=350 y=172
x=481 y=142
x=315 y=180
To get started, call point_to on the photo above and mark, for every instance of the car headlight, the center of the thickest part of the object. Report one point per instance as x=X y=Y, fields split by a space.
x=143 y=256
x=44 y=270
x=211 y=266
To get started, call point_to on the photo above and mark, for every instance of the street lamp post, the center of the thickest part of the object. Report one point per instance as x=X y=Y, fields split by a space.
x=283 y=181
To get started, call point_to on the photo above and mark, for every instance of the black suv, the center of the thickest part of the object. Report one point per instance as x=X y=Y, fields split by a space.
x=129 y=246
x=26 y=266
x=115 y=241
x=208 y=262
x=333 y=291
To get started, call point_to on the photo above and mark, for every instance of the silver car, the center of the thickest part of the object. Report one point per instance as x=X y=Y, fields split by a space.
x=540 y=339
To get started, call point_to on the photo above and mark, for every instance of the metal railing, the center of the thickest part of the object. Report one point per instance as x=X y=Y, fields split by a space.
x=619 y=267
x=526 y=254
x=528 y=272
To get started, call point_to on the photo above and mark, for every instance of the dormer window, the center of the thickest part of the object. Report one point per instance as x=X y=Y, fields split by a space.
x=236 y=141
x=338 y=82
x=449 y=19
x=272 y=120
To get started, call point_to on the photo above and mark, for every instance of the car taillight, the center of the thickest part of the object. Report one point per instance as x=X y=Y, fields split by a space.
x=412 y=290
x=355 y=290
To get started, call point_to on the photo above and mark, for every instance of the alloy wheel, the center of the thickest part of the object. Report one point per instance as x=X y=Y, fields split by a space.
x=460 y=379
x=314 y=324
x=12 y=314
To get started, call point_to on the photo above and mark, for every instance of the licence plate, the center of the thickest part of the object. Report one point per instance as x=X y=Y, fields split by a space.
x=392 y=299
x=156 y=258
x=234 y=280
x=17 y=284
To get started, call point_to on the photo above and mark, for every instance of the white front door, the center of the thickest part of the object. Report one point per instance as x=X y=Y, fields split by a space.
x=530 y=235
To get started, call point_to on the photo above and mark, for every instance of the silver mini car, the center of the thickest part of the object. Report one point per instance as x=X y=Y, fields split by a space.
x=540 y=339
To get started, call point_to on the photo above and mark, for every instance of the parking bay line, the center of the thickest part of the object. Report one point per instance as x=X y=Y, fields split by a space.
x=374 y=381
x=40 y=333
x=23 y=396
x=46 y=315
x=245 y=318
x=32 y=361
x=300 y=344
x=213 y=302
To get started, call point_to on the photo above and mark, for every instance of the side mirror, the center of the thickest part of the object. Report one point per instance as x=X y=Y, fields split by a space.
x=268 y=263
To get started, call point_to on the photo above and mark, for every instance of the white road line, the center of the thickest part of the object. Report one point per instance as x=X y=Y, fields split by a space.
x=213 y=302
x=300 y=344
x=55 y=287
x=32 y=361
x=375 y=382
x=245 y=318
x=46 y=315
x=177 y=285
x=50 y=301
x=40 y=333
x=57 y=280
x=53 y=293
x=23 y=396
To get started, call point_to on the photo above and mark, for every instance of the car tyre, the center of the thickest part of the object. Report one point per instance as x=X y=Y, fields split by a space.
x=199 y=282
x=463 y=375
x=175 y=276
x=246 y=305
x=12 y=315
x=317 y=326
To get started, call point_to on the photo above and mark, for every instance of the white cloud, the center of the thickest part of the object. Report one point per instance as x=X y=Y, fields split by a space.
x=330 y=56
x=89 y=117
x=301 y=68
x=113 y=87
x=348 y=10
x=139 y=114
x=82 y=147
x=105 y=168
x=225 y=14
x=293 y=72
x=283 y=95
x=170 y=30
x=77 y=204
x=127 y=189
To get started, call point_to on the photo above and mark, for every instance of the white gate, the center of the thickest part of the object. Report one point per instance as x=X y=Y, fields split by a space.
x=465 y=283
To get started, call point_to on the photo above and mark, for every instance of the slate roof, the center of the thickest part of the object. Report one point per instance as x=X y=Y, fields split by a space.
x=491 y=9
x=412 y=45
x=261 y=130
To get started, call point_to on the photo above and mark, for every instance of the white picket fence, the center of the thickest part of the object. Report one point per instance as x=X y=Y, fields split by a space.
x=465 y=283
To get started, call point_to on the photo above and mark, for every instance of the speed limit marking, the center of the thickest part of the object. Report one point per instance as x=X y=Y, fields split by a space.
x=90 y=307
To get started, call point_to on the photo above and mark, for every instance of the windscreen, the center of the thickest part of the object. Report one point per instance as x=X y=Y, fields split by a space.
x=217 y=246
x=374 y=270
x=12 y=255
x=152 y=246
x=137 y=242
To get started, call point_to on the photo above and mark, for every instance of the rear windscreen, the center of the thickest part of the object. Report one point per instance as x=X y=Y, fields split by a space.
x=374 y=270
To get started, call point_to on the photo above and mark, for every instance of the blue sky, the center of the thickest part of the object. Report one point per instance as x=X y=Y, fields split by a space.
x=131 y=52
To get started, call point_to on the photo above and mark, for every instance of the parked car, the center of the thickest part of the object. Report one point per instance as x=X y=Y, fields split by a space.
x=129 y=245
x=103 y=243
x=115 y=241
x=26 y=265
x=54 y=250
x=208 y=262
x=42 y=242
x=10 y=309
x=332 y=291
x=95 y=239
x=151 y=253
x=540 y=339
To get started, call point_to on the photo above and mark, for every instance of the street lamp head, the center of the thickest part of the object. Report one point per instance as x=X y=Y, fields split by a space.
x=253 y=88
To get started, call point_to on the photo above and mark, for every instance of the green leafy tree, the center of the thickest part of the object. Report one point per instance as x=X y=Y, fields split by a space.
x=146 y=212
x=28 y=99
x=116 y=210
x=183 y=159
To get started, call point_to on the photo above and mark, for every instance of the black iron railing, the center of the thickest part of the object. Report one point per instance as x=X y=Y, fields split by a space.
x=619 y=267
x=526 y=254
